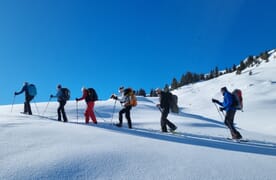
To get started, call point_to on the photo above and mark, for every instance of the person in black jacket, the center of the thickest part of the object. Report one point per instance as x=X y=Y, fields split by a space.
x=28 y=98
x=164 y=107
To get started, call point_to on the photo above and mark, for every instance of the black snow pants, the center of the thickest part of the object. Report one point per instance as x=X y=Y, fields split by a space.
x=125 y=110
x=27 y=105
x=229 y=122
x=164 y=121
x=61 y=110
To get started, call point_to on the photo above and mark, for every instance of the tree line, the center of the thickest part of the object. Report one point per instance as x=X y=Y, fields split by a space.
x=190 y=77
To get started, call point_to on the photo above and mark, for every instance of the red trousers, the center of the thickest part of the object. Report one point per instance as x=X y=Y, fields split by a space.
x=89 y=112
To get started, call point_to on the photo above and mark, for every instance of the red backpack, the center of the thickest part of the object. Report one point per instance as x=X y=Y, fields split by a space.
x=237 y=99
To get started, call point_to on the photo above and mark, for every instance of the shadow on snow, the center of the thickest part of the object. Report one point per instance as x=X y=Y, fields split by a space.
x=253 y=146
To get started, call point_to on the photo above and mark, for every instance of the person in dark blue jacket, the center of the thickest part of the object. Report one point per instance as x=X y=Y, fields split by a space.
x=227 y=105
x=28 y=98
x=62 y=102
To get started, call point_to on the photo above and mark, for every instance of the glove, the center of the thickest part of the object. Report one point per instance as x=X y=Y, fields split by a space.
x=15 y=93
x=114 y=97
x=51 y=96
x=221 y=109
x=215 y=101
x=77 y=99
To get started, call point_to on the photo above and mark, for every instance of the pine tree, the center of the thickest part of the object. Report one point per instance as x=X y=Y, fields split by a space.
x=216 y=72
x=234 y=68
x=174 y=84
x=153 y=93
x=211 y=76
x=141 y=92
x=242 y=66
x=182 y=81
x=249 y=61
x=202 y=77
x=167 y=88
x=195 y=78
x=265 y=56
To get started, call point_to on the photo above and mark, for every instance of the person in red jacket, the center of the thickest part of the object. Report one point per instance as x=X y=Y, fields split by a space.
x=89 y=112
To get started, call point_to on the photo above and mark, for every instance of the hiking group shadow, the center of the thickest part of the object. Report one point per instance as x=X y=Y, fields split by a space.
x=253 y=146
x=211 y=122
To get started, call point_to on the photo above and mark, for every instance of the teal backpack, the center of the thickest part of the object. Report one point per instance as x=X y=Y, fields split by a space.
x=31 y=90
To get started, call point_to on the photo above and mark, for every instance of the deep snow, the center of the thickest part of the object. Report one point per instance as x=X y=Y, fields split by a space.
x=34 y=147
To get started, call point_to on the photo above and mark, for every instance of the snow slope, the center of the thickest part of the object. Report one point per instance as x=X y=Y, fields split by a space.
x=259 y=93
x=39 y=147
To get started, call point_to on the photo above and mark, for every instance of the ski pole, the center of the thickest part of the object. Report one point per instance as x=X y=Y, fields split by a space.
x=77 y=109
x=46 y=107
x=12 y=103
x=113 y=111
x=36 y=107
x=160 y=109
x=219 y=111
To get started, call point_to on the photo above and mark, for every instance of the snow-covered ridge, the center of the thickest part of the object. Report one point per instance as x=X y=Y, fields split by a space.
x=259 y=92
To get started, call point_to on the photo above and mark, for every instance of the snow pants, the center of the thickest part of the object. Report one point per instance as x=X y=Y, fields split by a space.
x=125 y=110
x=27 y=106
x=165 y=122
x=229 y=122
x=61 y=111
x=89 y=112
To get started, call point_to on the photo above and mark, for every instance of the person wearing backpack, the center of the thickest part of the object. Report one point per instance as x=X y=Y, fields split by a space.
x=227 y=105
x=62 y=98
x=125 y=101
x=90 y=97
x=164 y=107
x=28 y=97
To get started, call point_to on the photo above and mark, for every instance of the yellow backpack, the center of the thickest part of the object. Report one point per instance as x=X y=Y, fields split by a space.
x=133 y=99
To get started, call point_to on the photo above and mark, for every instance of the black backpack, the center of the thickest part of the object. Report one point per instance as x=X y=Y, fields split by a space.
x=128 y=91
x=65 y=94
x=91 y=95
x=173 y=103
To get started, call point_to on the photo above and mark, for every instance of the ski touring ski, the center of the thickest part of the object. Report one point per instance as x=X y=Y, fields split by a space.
x=238 y=140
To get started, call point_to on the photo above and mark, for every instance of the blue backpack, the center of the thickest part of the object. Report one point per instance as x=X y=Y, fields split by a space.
x=31 y=90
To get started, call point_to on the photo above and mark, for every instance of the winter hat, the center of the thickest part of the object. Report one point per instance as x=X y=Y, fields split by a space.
x=223 y=89
x=121 y=89
x=59 y=86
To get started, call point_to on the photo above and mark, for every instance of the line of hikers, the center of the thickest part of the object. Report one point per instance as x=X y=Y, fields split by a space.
x=62 y=95
x=128 y=100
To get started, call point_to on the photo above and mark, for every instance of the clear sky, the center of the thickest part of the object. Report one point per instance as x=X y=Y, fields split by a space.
x=137 y=43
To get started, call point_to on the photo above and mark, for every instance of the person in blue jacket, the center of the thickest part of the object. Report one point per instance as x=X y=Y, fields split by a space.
x=28 y=98
x=62 y=102
x=227 y=105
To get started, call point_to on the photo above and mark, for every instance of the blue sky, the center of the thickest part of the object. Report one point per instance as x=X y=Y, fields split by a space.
x=139 y=43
